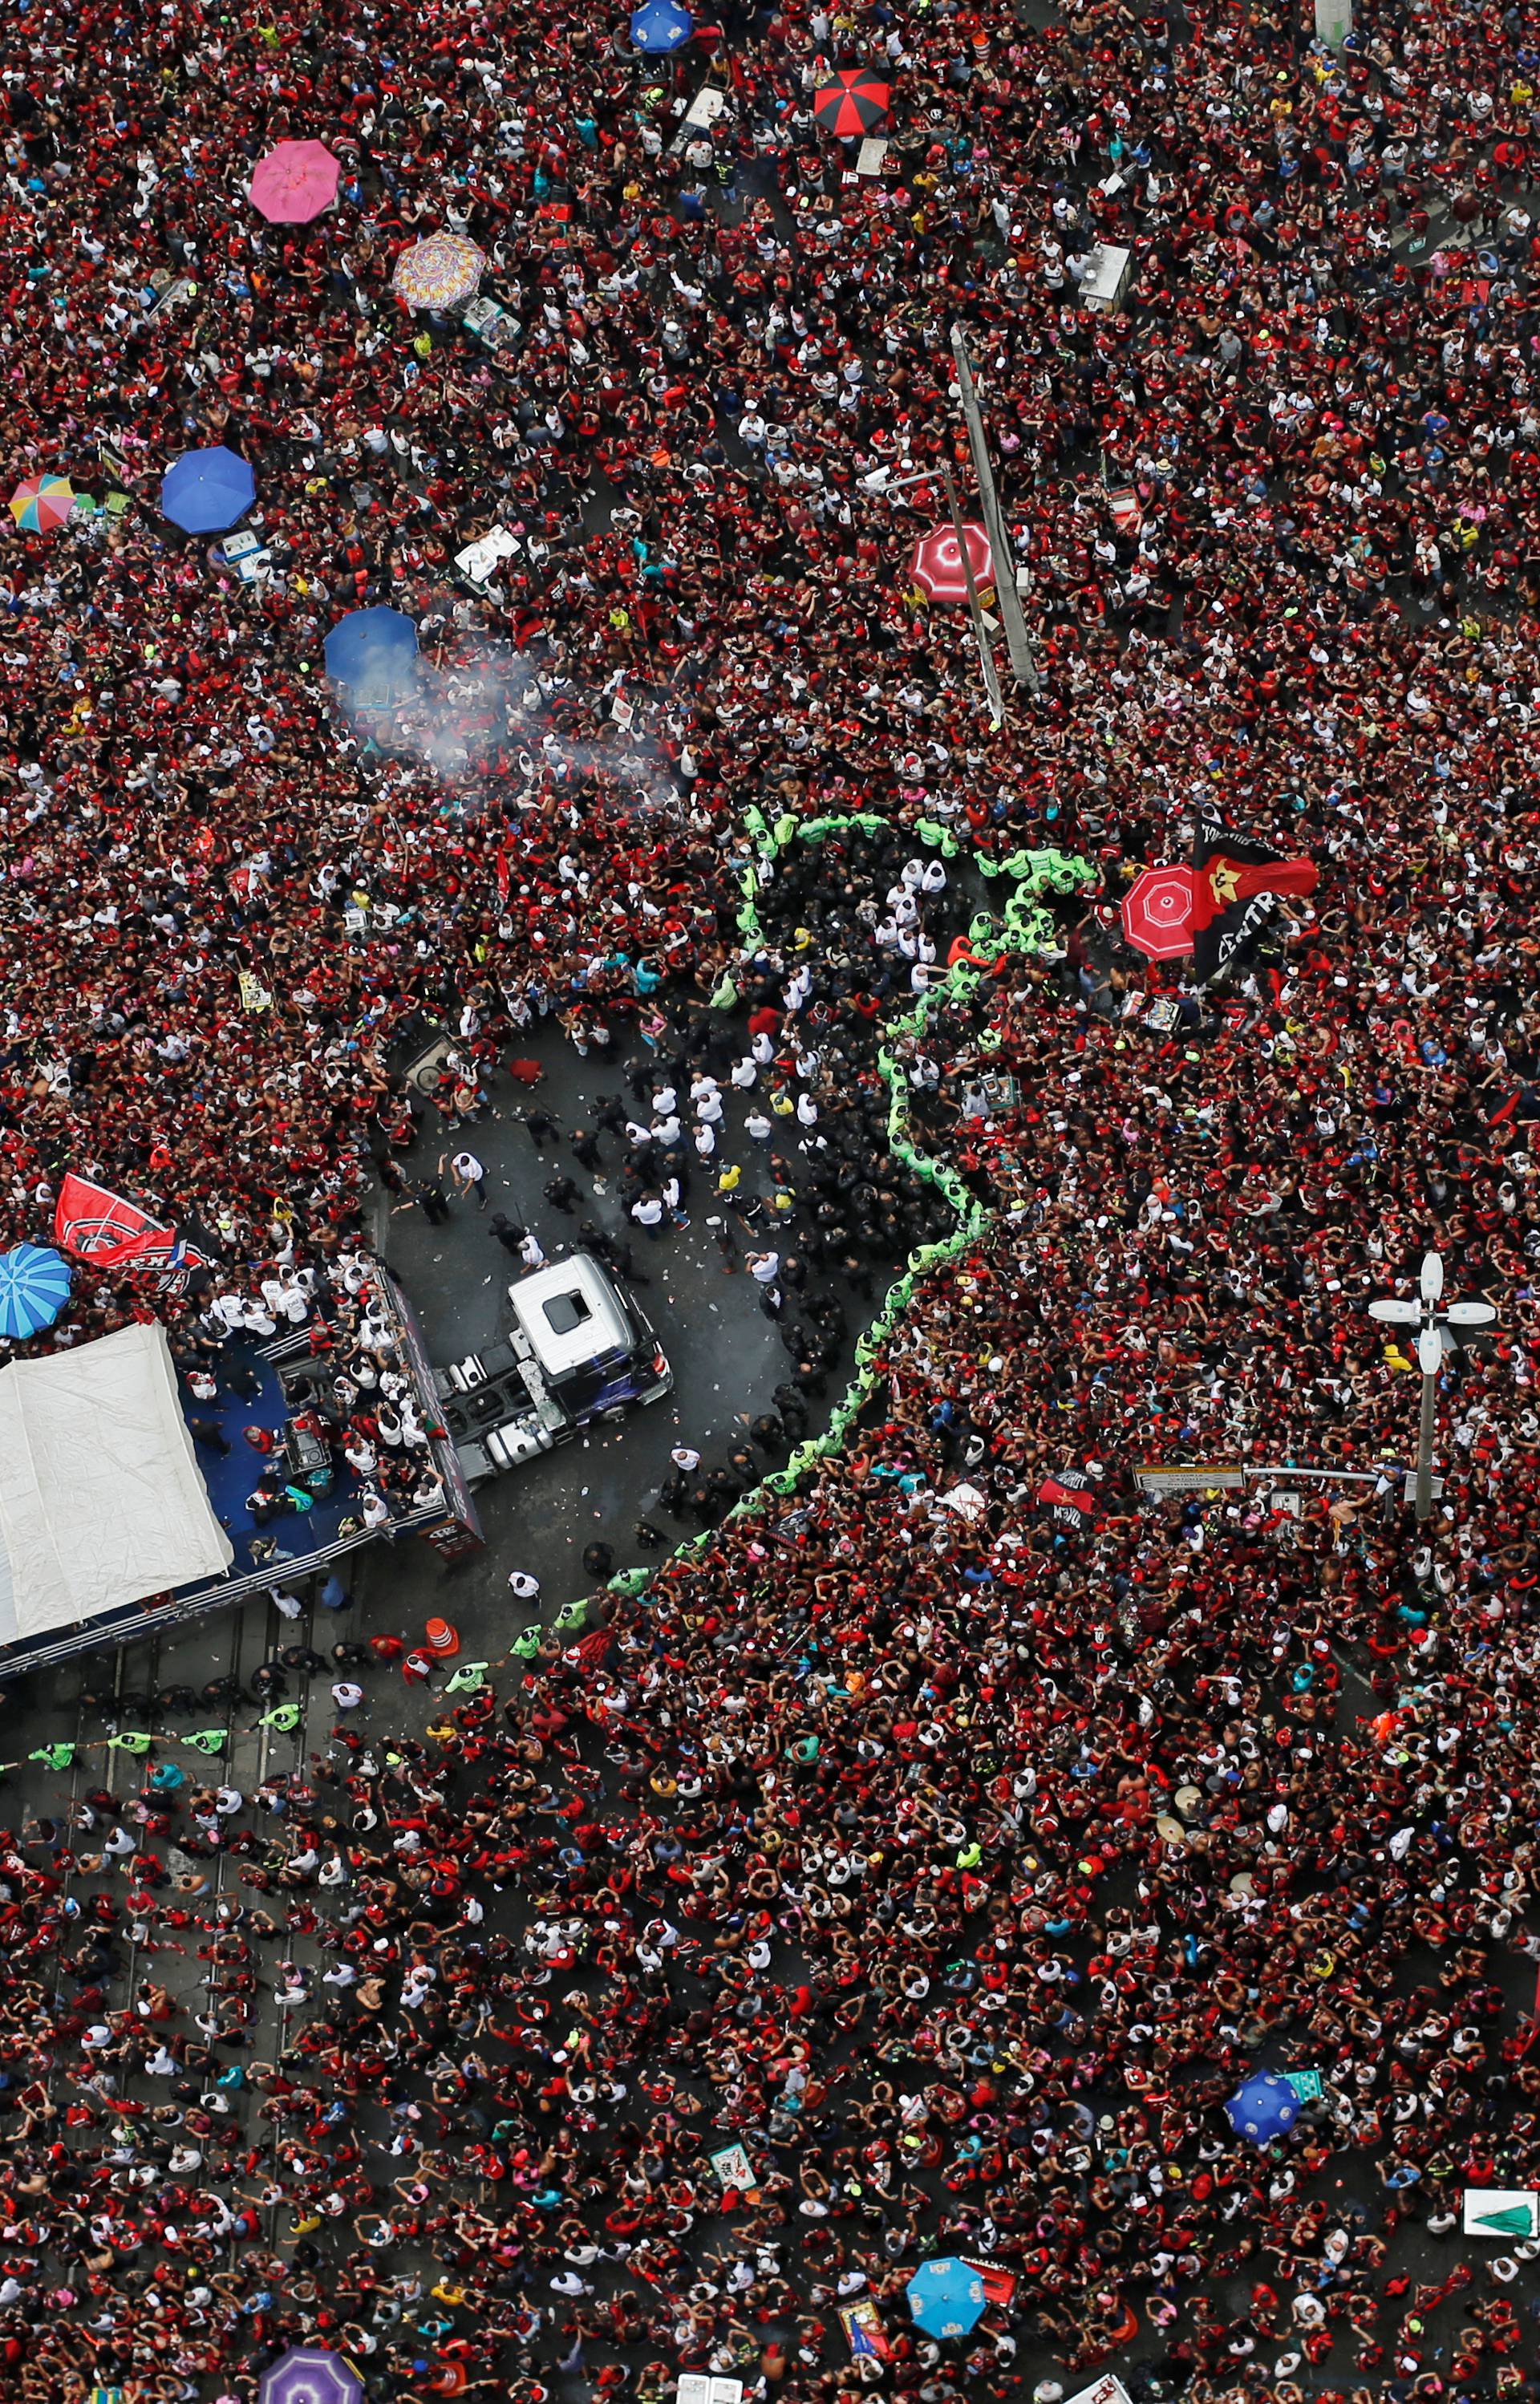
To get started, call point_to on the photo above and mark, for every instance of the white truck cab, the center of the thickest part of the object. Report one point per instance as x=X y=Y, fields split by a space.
x=580 y=1348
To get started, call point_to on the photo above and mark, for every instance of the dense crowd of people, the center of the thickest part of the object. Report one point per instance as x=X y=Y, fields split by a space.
x=951 y=1829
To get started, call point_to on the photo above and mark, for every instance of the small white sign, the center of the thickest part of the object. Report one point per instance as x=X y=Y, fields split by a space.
x=1106 y=2390
x=1509 y=2214
x=869 y=157
x=478 y=559
x=707 y=106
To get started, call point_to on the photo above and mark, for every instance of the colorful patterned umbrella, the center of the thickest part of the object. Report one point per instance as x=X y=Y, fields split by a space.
x=203 y=492
x=42 y=503
x=35 y=1285
x=935 y=563
x=1157 y=912
x=295 y=182
x=854 y=102
x=438 y=271
x=309 y=2374
x=659 y=26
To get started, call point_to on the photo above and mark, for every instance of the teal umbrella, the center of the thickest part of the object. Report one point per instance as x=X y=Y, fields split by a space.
x=947 y=2296
x=34 y=1283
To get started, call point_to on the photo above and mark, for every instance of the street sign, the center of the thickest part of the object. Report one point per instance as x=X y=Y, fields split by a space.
x=1188 y=1479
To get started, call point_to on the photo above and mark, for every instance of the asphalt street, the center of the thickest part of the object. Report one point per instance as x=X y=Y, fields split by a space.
x=725 y=1354
x=726 y=1358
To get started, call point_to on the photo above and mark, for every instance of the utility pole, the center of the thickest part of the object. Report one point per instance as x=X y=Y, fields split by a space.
x=1017 y=641
x=976 y=612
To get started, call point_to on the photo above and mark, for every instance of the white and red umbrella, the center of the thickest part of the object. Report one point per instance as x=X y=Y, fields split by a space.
x=935 y=563
x=1157 y=912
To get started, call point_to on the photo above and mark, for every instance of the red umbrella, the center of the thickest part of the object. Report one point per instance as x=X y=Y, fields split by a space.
x=935 y=563
x=853 y=102
x=1157 y=912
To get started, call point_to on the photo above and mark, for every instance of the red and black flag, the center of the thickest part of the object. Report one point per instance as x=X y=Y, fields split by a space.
x=1235 y=887
x=1069 y=1499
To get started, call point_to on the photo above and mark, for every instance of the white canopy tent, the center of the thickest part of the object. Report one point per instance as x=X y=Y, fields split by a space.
x=101 y=1500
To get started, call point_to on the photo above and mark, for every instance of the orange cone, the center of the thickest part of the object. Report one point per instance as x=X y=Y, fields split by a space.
x=442 y=1641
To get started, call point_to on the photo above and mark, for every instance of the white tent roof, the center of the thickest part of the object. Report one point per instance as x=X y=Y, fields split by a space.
x=101 y=1501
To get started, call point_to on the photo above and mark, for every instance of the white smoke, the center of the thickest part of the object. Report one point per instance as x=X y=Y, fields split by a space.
x=482 y=719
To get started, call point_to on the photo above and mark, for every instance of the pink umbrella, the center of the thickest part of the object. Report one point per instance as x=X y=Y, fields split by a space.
x=935 y=563
x=1157 y=912
x=295 y=182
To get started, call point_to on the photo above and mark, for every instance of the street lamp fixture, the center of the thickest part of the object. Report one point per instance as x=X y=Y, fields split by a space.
x=1433 y=1339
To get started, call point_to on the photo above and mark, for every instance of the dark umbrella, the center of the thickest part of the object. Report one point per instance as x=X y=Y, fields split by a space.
x=854 y=102
x=309 y=2375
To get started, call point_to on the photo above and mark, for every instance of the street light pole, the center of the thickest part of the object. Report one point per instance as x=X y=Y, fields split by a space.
x=1017 y=641
x=975 y=610
x=1430 y=1355
x=880 y=483
x=1431 y=1324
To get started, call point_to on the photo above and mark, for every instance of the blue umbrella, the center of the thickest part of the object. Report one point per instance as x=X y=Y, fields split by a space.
x=373 y=654
x=947 y=2296
x=661 y=25
x=33 y=1289
x=203 y=492
x=1265 y=2108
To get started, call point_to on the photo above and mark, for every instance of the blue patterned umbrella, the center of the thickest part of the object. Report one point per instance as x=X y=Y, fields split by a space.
x=203 y=492
x=947 y=2296
x=1265 y=2108
x=35 y=1285
x=308 y=2374
x=660 y=26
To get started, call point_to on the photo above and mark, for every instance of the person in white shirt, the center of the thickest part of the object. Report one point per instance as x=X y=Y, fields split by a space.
x=468 y=1176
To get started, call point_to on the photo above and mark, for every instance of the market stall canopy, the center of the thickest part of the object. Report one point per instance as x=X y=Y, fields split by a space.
x=101 y=1501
